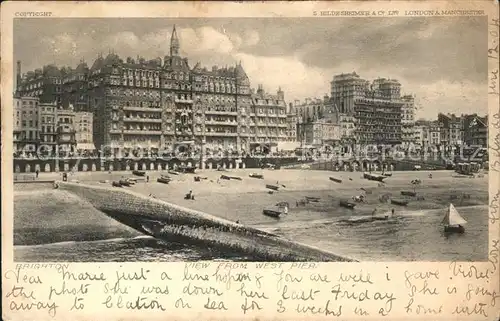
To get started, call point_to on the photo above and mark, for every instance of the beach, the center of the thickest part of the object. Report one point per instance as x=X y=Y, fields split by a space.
x=323 y=223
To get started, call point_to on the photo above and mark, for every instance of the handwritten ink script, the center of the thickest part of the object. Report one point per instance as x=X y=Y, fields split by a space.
x=256 y=289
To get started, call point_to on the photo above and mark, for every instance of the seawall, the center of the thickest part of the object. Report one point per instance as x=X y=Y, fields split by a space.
x=175 y=223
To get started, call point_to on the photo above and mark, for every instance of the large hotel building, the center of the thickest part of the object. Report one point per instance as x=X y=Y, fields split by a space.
x=161 y=103
x=377 y=107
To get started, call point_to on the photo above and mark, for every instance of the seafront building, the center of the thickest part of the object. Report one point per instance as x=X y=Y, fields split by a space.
x=377 y=107
x=27 y=121
x=47 y=127
x=475 y=130
x=163 y=103
x=407 y=120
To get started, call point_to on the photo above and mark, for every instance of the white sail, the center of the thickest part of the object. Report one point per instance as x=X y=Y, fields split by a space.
x=453 y=217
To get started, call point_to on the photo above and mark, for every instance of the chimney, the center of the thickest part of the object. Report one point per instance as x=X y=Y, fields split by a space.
x=260 y=90
x=281 y=94
x=18 y=82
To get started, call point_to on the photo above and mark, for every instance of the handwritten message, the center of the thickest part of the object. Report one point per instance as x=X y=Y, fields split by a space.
x=257 y=289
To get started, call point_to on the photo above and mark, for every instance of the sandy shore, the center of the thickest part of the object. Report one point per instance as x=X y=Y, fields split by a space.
x=244 y=199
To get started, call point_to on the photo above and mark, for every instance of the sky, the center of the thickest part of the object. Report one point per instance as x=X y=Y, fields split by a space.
x=441 y=60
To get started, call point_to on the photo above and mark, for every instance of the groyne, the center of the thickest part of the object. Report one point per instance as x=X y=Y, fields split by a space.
x=174 y=223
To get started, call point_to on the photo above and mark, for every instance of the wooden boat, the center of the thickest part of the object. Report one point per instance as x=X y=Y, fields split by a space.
x=374 y=177
x=453 y=222
x=124 y=182
x=255 y=175
x=399 y=202
x=116 y=184
x=272 y=213
x=313 y=199
x=273 y=187
x=139 y=173
x=225 y=177
x=281 y=209
x=336 y=180
x=347 y=204
x=408 y=193
x=173 y=172
x=387 y=174
x=163 y=180
x=235 y=177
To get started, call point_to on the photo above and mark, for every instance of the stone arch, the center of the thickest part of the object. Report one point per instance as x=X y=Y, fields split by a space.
x=27 y=168
x=151 y=166
x=366 y=165
x=85 y=167
x=143 y=167
x=136 y=166
x=224 y=165
x=346 y=167
x=189 y=164
x=158 y=167
x=167 y=166
x=392 y=166
x=47 y=168
x=93 y=167
x=209 y=165
x=183 y=164
x=355 y=166
x=66 y=167
x=174 y=166
x=244 y=165
x=37 y=167
x=111 y=167
x=230 y=165
x=17 y=169
x=376 y=165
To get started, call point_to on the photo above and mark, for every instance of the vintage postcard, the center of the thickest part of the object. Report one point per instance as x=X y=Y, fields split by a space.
x=260 y=161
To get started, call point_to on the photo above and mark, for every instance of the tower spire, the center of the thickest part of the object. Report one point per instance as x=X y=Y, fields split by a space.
x=174 y=43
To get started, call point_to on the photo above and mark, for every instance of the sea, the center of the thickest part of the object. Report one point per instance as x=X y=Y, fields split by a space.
x=412 y=235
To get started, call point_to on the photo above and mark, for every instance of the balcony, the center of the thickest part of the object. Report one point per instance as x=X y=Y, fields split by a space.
x=184 y=110
x=221 y=134
x=141 y=132
x=142 y=120
x=222 y=123
x=215 y=112
x=183 y=101
x=138 y=108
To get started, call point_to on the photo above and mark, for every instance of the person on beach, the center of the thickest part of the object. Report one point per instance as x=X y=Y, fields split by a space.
x=147 y=179
x=36 y=173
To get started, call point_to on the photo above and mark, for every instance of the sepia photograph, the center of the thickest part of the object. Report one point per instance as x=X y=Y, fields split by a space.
x=259 y=139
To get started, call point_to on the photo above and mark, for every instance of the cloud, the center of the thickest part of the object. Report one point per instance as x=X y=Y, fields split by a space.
x=441 y=60
x=205 y=39
x=251 y=38
x=287 y=72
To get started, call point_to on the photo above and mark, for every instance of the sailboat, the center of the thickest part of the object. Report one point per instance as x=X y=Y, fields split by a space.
x=453 y=222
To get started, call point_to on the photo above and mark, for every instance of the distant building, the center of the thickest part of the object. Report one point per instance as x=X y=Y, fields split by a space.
x=292 y=120
x=427 y=134
x=84 y=131
x=44 y=84
x=476 y=130
x=66 y=133
x=268 y=119
x=26 y=124
x=451 y=129
x=320 y=133
x=48 y=129
x=407 y=120
x=312 y=109
x=377 y=107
